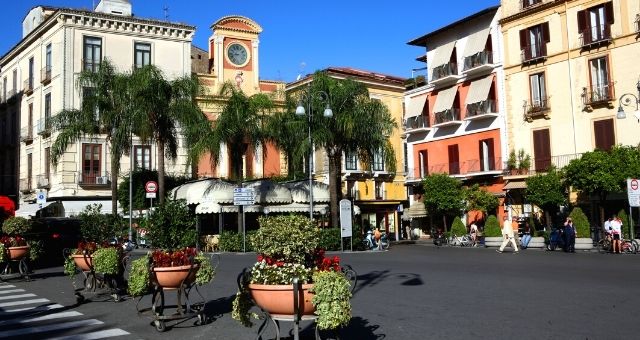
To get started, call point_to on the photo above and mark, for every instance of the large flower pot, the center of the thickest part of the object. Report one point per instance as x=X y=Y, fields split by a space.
x=278 y=299
x=584 y=243
x=536 y=242
x=493 y=241
x=17 y=253
x=82 y=262
x=173 y=277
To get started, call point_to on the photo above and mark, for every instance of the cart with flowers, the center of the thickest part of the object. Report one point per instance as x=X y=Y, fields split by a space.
x=14 y=252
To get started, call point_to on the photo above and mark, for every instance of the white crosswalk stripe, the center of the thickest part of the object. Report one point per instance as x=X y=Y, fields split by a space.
x=24 y=315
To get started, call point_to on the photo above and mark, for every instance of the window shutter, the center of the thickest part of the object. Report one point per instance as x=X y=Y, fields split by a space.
x=582 y=21
x=492 y=160
x=604 y=134
x=597 y=132
x=541 y=149
x=454 y=165
x=545 y=32
x=608 y=12
x=481 y=153
x=523 y=39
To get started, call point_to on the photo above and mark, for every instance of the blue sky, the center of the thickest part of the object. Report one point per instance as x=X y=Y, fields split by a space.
x=298 y=37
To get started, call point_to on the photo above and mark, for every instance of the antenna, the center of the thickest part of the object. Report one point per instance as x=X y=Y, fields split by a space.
x=166 y=12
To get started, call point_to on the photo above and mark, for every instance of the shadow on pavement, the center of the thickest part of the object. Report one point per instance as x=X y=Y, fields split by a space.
x=375 y=277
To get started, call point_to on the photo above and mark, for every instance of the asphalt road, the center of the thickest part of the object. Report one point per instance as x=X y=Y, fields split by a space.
x=409 y=292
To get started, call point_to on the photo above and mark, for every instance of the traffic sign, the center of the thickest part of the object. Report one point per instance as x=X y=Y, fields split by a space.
x=41 y=197
x=151 y=186
x=151 y=195
x=243 y=196
x=345 y=218
x=633 y=192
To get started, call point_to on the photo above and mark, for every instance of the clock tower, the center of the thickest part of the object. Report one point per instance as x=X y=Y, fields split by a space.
x=233 y=50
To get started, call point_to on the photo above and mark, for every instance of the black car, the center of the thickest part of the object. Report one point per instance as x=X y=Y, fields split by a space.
x=54 y=234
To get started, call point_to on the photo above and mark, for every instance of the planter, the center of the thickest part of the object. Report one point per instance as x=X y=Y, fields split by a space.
x=493 y=241
x=173 y=277
x=17 y=253
x=82 y=262
x=584 y=243
x=278 y=299
x=536 y=242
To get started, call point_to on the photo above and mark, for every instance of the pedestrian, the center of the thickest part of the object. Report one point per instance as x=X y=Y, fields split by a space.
x=569 y=236
x=473 y=231
x=507 y=234
x=377 y=236
x=526 y=235
x=616 y=231
x=607 y=227
x=515 y=226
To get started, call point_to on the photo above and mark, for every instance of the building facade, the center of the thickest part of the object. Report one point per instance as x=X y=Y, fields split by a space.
x=454 y=120
x=38 y=79
x=566 y=64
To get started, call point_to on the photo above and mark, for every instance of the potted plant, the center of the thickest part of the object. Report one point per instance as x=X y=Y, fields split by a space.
x=287 y=249
x=82 y=256
x=492 y=232
x=512 y=163
x=14 y=245
x=13 y=248
x=524 y=162
x=583 y=232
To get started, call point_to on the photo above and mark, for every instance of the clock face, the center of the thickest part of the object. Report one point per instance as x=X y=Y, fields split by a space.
x=237 y=54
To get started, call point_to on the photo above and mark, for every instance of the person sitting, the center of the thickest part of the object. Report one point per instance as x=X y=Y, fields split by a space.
x=526 y=235
x=473 y=231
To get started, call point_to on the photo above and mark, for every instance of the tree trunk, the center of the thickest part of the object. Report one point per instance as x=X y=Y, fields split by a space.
x=114 y=183
x=444 y=220
x=236 y=166
x=161 y=172
x=335 y=189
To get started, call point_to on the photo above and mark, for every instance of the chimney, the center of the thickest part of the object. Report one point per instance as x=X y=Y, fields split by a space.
x=114 y=7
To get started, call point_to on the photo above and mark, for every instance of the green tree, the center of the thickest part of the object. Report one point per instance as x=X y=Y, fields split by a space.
x=105 y=110
x=286 y=131
x=580 y=222
x=624 y=218
x=547 y=191
x=457 y=227
x=140 y=178
x=172 y=226
x=443 y=196
x=492 y=227
x=479 y=199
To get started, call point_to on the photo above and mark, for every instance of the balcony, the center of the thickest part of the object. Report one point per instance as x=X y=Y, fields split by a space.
x=542 y=165
x=469 y=168
x=595 y=36
x=43 y=127
x=445 y=74
x=26 y=134
x=45 y=75
x=526 y=4
x=481 y=110
x=598 y=95
x=28 y=86
x=42 y=181
x=478 y=63
x=533 y=54
x=94 y=179
x=25 y=185
x=90 y=65
x=537 y=109
x=636 y=23
x=449 y=117
x=417 y=124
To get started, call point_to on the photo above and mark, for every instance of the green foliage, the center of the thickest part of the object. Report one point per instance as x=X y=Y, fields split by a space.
x=35 y=249
x=492 y=227
x=138 y=283
x=265 y=274
x=546 y=190
x=625 y=223
x=232 y=242
x=286 y=238
x=443 y=194
x=512 y=161
x=580 y=222
x=332 y=293
x=457 y=227
x=106 y=260
x=16 y=226
x=96 y=227
x=205 y=273
x=329 y=239
x=69 y=267
x=479 y=199
x=140 y=178
x=172 y=226
x=241 y=305
x=524 y=160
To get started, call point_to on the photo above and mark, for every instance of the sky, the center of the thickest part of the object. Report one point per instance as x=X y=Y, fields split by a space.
x=298 y=37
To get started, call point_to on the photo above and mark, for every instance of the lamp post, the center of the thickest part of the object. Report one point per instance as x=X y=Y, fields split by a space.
x=300 y=111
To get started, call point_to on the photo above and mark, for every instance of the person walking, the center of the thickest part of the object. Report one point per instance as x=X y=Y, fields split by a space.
x=526 y=235
x=569 y=236
x=377 y=236
x=507 y=234
x=616 y=232
x=473 y=231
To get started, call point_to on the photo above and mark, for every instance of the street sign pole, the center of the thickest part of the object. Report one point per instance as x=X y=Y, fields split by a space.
x=633 y=196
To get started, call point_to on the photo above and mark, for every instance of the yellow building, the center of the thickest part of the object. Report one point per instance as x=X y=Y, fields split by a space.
x=566 y=64
x=377 y=193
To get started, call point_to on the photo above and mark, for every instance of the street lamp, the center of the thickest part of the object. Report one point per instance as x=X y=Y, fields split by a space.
x=300 y=111
x=627 y=99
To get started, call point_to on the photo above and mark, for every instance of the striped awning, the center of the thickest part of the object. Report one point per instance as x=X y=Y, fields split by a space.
x=476 y=42
x=442 y=55
x=515 y=185
x=295 y=207
x=416 y=210
x=416 y=106
x=479 y=90
x=444 y=99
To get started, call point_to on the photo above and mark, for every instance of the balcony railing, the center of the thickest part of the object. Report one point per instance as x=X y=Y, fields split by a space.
x=533 y=53
x=537 y=108
x=637 y=23
x=42 y=181
x=598 y=94
x=524 y=4
x=43 y=127
x=481 y=108
x=543 y=164
x=595 y=35
x=26 y=134
x=90 y=65
x=417 y=123
x=451 y=115
x=45 y=74
x=442 y=71
x=28 y=86
x=25 y=185
x=91 y=178
x=477 y=60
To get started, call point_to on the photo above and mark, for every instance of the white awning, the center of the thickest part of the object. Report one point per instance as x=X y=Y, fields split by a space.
x=295 y=207
x=442 y=55
x=479 y=90
x=267 y=191
x=415 y=107
x=30 y=210
x=515 y=185
x=207 y=190
x=300 y=191
x=444 y=99
x=247 y=208
x=476 y=42
x=74 y=208
x=208 y=208
x=417 y=210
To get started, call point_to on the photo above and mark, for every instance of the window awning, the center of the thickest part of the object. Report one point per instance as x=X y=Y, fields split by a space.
x=295 y=207
x=208 y=208
x=74 y=208
x=479 y=90
x=444 y=100
x=30 y=210
x=442 y=54
x=476 y=42
x=267 y=191
x=417 y=210
x=416 y=105
x=515 y=185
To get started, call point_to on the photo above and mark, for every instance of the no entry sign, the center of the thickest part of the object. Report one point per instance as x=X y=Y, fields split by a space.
x=151 y=188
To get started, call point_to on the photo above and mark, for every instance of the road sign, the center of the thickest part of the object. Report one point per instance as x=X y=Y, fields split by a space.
x=41 y=197
x=151 y=186
x=345 y=218
x=151 y=195
x=243 y=196
x=633 y=192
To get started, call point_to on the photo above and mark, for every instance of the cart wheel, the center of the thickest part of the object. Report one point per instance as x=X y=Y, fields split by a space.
x=116 y=297
x=79 y=299
x=160 y=326
x=202 y=319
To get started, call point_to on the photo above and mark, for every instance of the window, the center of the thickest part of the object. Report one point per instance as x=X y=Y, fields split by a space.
x=378 y=161
x=538 y=92
x=143 y=157
x=405 y=154
x=142 y=55
x=88 y=101
x=15 y=81
x=528 y=3
x=92 y=53
x=533 y=42
x=454 y=159
x=594 y=24
x=379 y=190
x=350 y=160
x=47 y=109
x=541 y=149
x=604 y=134
x=47 y=164
x=48 y=57
x=46 y=70
x=30 y=120
x=601 y=87
x=30 y=80
x=91 y=162
x=487 y=158
x=424 y=163
x=29 y=170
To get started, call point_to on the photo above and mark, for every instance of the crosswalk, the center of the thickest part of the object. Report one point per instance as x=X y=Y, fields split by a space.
x=26 y=316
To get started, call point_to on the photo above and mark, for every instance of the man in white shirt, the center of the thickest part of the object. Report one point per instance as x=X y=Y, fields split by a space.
x=507 y=234
x=616 y=232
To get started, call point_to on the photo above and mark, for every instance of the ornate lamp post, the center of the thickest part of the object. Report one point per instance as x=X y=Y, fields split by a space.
x=628 y=99
x=307 y=98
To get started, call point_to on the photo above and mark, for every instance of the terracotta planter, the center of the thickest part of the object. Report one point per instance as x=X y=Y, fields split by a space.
x=173 y=277
x=17 y=253
x=83 y=263
x=278 y=299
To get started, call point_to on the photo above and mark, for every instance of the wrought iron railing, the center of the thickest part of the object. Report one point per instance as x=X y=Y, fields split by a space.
x=481 y=108
x=26 y=134
x=450 y=115
x=445 y=70
x=94 y=178
x=598 y=94
x=43 y=181
x=533 y=52
x=43 y=127
x=417 y=122
x=90 y=65
x=468 y=167
x=478 y=59
x=595 y=34
x=28 y=86
x=45 y=74
x=538 y=107
x=25 y=185
x=524 y=4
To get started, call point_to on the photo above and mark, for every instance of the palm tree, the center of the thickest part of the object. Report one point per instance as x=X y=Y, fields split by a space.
x=105 y=110
x=288 y=132
x=359 y=124
x=164 y=110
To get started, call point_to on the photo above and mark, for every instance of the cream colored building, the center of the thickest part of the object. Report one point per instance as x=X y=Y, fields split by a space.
x=376 y=192
x=38 y=76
